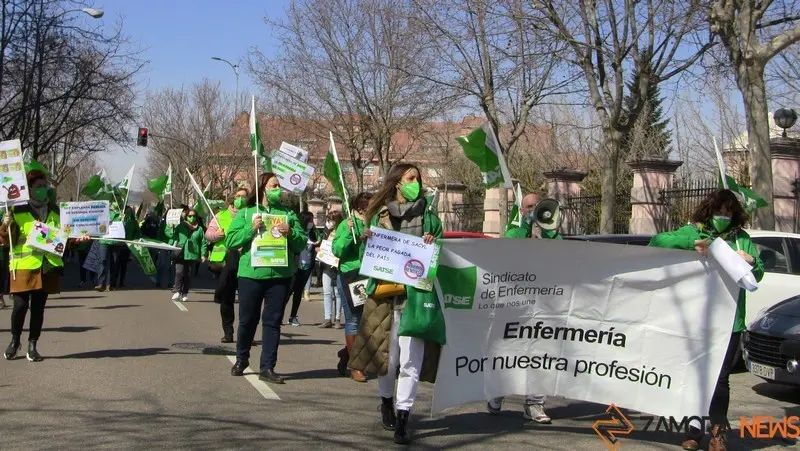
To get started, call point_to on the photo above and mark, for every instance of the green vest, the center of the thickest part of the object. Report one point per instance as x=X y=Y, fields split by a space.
x=224 y=220
x=24 y=257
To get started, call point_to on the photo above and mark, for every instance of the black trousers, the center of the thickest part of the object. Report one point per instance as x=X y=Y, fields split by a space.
x=35 y=301
x=183 y=276
x=298 y=285
x=252 y=294
x=225 y=293
x=720 y=400
x=4 y=271
x=81 y=260
x=120 y=269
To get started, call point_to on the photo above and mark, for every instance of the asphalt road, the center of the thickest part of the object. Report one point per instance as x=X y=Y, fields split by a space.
x=129 y=369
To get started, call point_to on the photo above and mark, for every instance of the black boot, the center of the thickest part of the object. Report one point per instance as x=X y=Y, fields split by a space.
x=239 y=367
x=228 y=332
x=33 y=354
x=13 y=347
x=401 y=434
x=388 y=418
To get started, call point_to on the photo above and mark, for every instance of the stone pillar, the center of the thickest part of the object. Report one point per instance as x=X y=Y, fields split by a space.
x=317 y=208
x=334 y=203
x=451 y=195
x=785 y=170
x=491 y=210
x=562 y=184
x=649 y=215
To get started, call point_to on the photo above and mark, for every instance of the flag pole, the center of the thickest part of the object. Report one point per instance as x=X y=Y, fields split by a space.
x=205 y=201
x=345 y=201
x=721 y=164
x=10 y=242
x=130 y=181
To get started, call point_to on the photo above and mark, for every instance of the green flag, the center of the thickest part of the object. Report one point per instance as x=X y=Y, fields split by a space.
x=98 y=188
x=750 y=200
x=256 y=144
x=145 y=260
x=333 y=172
x=32 y=165
x=515 y=217
x=157 y=186
x=481 y=148
x=168 y=186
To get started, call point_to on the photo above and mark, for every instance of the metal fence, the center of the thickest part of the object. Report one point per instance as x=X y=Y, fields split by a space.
x=468 y=217
x=583 y=214
x=683 y=199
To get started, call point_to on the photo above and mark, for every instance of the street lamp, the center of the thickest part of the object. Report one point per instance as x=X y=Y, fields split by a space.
x=785 y=118
x=235 y=68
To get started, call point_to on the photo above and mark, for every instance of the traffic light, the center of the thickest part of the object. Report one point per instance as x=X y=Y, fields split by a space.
x=142 y=139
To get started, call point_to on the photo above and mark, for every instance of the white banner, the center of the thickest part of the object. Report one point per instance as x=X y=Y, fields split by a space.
x=400 y=258
x=116 y=230
x=293 y=175
x=85 y=218
x=642 y=328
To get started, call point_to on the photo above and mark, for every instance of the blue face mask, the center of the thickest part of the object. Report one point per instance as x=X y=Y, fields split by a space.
x=530 y=217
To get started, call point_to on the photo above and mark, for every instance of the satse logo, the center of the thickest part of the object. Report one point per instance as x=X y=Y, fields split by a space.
x=458 y=286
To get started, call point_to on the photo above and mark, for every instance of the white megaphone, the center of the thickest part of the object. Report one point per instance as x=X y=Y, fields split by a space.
x=548 y=214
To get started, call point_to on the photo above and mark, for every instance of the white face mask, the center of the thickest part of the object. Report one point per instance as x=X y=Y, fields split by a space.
x=329 y=225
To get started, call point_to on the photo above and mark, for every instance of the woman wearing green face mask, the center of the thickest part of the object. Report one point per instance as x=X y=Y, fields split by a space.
x=227 y=260
x=262 y=285
x=188 y=236
x=719 y=215
x=36 y=274
x=398 y=205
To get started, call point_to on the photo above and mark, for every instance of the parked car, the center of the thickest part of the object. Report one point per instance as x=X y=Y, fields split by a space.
x=780 y=253
x=771 y=345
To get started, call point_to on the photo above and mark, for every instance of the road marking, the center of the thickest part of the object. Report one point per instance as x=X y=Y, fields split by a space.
x=260 y=386
x=180 y=306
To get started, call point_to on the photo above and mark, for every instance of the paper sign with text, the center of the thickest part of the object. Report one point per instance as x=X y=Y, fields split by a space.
x=13 y=182
x=116 y=230
x=293 y=175
x=47 y=238
x=294 y=152
x=174 y=217
x=639 y=327
x=270 y=248
x=401 y=258
x=84 y=218
x=325 y=254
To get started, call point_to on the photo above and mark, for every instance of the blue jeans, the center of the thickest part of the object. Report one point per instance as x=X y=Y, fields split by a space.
x=106 y=255
x=163 y=266
x=351 y=318
x=330 y=294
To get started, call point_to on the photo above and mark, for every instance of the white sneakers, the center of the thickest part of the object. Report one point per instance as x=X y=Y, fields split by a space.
x=176 y=296
x=536 y=413
x=184 y=298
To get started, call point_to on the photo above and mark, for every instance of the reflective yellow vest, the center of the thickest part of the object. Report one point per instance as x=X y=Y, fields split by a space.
x=224 y=220
x=24 y=257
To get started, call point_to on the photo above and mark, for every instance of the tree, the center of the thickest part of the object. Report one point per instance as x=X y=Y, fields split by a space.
x=191 y=128
x=66 y=89
x=649 y=135
x=337 y=70
x=752 y=33
x=606 y=39
x=494 y=57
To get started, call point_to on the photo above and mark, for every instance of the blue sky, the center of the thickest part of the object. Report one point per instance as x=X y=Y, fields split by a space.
x=179 y=37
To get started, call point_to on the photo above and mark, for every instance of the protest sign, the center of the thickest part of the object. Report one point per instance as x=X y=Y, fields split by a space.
x=325 y=254
x=174 y=217
x=47 y=238
x=84 y=218
x=116 y=230
x=358 y=292
x=269 y=248
x=293 y=175
x=145 y=260
x=13 y=182
x=642 y=328
x=294 y=152
x=94 y=259
x=400 y=258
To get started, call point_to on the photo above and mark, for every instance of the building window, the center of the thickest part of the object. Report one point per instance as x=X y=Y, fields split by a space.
x=369 y=169
x=347 y=168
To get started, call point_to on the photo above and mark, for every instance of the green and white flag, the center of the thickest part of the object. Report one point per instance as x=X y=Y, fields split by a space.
x=142 y=254
x=255 y=141
x=481 y=147
x=515 y=217
x=749 y=199
x=168 y=184
x=332 y=171
x=123 y=187
x=433 y=200
x=98 y=187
